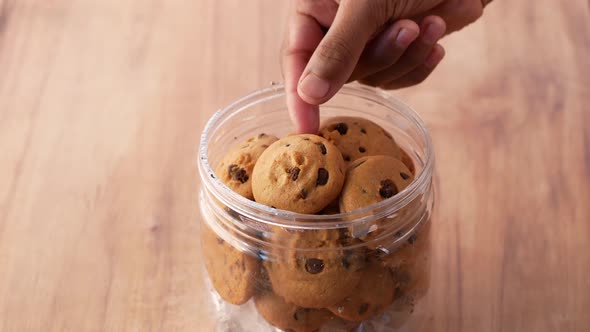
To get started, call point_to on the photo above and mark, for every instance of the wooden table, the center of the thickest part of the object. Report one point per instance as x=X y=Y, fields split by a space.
x=102 y=103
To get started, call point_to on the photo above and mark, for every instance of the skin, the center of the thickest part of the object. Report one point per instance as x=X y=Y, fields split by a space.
x=390 y=44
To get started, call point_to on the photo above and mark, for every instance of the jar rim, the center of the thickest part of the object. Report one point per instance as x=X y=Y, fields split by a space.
x=262 y=213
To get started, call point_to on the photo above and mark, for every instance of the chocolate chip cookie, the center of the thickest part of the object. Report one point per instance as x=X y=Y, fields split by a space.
x=299 y=173
x=288 y=316
x=358 y=137
x=312 y=270
x=372 y=296
x=410 y=264
x=370 y=180
x=235 y=169
x=231 y=271
x=417 y=245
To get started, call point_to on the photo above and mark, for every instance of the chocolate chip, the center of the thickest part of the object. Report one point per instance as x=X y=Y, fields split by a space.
x=261 y=135
x=322 y=148
x=314 y=265
x=306 y=139
x=345 y=263
x=264 y=145
x=403 y=277
x=346 y=157
x=388 y=188
x=412 y=239
x=363 y=131
x=241 y=175
x=303 y=194
x=363 y=308
x=233 y=214
x=287 y=145
x=404 y=175
x=272 y=206
x=237 y=173
x=342 y=128
x=295 y=316
x=295 y=173
x=323 y=177
x=362 y=150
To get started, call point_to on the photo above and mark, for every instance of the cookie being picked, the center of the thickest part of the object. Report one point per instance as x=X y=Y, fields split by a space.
x=298 y=173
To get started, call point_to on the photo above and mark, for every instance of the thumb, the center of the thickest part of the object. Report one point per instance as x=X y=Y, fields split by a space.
x=337 y=55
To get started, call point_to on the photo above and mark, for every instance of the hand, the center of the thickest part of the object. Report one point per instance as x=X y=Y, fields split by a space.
x=360 y=44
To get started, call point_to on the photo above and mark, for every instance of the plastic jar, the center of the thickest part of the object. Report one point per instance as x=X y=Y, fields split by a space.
x=263 y=266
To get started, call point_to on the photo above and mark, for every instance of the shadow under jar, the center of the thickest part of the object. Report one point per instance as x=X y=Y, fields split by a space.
x=274 y=270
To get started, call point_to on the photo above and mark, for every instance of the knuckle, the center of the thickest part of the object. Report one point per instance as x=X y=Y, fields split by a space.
x=470 y=11
x=335 y=50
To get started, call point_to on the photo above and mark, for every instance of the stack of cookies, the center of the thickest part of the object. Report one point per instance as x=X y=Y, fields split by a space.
x=311 y=277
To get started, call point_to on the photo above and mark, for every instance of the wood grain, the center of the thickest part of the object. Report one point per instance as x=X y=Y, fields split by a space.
x=102 y=103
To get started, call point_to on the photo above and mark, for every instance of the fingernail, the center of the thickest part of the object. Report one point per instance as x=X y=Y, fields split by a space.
x=314 y=87
x=432 y=33
x=405 y=37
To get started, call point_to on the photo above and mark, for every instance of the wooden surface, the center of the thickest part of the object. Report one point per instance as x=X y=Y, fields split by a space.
x=102 y=103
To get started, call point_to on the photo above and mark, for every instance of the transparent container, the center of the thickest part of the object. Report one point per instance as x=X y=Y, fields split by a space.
x=274 y=270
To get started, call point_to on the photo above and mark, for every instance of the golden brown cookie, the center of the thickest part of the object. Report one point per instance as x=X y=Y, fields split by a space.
x=370 y=180
x=231 y=271
x=288 y=316
x=358 y=137
x=319 y=273
x=235 y=169
x=410 y=264
x=418 y=244
x=299 y=173
x=372 y=296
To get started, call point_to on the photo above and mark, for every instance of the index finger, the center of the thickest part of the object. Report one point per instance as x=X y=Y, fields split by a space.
x=304 y=34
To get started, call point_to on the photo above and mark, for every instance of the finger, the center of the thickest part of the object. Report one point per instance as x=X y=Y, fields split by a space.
x=386 y=48
x=432 y=29
x=458 y=13
x=338 y=53
x=303 y=35
x=421 y=73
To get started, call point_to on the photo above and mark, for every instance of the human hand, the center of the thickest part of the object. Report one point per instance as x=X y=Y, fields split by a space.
x=361 y=45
